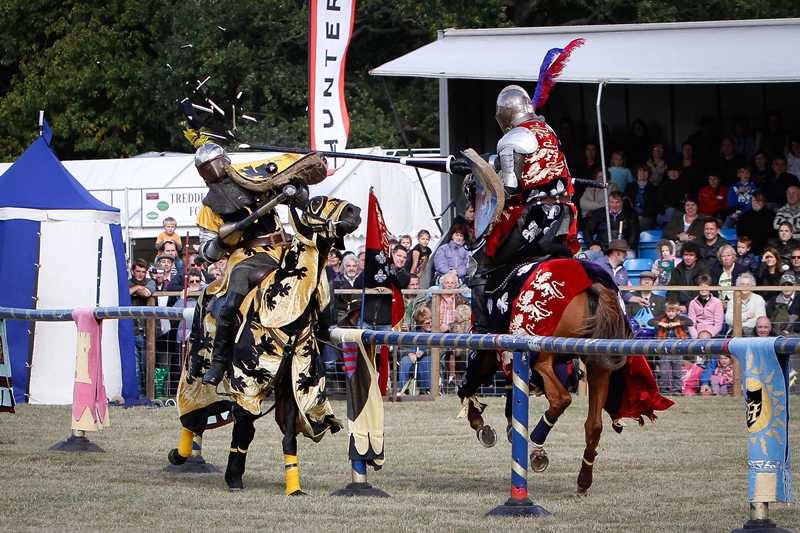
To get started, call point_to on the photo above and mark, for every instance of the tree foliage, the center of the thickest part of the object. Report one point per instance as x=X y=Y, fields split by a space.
x=108 y=73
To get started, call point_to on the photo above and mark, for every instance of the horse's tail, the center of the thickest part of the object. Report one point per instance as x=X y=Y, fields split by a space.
x=607 y=320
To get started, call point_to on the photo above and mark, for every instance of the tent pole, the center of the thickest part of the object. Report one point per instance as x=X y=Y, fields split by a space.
x=603 y=155
x=128 y=245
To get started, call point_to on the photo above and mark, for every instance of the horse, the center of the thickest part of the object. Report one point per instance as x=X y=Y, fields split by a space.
x=565 y=298
x=275 y=350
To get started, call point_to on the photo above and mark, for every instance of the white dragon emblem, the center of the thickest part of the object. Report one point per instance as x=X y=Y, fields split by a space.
x=548 y=289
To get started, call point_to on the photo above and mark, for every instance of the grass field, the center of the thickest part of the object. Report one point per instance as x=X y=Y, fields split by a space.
x=687 y=472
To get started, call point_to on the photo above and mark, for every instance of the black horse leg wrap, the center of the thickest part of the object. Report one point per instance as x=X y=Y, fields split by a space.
x=542 y=429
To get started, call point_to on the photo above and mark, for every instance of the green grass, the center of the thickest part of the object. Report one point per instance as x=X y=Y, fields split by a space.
x=687 y=472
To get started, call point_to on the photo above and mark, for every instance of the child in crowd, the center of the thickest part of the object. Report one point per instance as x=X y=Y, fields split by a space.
x=667 y=261
x=706 y=311
x=722 y=378
x=744 y=256
x=670 y=326
x=690 y=377
x=420 y=254
x=740 y=194
x=620 y=175
x=713 y=198
x=170 y=225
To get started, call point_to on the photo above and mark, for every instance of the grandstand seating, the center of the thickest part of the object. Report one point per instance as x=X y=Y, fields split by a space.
x=647 y=244
x=729 y=234
x=635 y=267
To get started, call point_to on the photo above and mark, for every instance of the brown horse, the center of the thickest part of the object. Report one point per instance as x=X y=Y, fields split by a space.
x=564 y=298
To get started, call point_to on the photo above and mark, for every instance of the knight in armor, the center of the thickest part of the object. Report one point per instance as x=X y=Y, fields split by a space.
x=538 y=221
x=257 y=249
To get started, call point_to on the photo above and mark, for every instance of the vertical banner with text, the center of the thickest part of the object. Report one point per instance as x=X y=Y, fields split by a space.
x=330 y=31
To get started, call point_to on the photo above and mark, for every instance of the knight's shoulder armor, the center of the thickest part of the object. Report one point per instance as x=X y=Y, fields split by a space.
x=520 y=140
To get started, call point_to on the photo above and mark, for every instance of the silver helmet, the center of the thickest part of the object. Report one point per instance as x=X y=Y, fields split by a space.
x=513 y=107
x=211 y=161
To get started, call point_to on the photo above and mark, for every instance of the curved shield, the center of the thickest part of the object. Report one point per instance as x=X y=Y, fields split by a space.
x=489 y=194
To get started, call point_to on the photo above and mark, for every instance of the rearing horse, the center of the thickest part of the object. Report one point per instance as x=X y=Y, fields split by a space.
x=566 y=298
x=275 y=348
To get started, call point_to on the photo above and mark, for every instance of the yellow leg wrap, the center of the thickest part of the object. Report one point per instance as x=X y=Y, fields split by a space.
x=588 y=463
x=292 y=473
x=185 y=444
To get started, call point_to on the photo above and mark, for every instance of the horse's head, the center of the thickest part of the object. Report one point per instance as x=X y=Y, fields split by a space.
x=331 y=218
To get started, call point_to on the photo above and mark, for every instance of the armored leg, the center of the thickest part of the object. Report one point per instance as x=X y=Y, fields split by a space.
x=223 y=339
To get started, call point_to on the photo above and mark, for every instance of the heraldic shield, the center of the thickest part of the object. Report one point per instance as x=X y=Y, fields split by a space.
x=489 y=194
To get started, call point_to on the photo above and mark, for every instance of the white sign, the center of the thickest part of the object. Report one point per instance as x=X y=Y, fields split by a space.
x=180 y=204
x=331 y=28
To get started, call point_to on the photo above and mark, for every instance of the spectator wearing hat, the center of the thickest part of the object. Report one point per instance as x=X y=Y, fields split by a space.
x=671 y=193
x=612 y=262
x=783 y=309
x=646 y=298
x=686 y=273
x=624 y=225
x=171 y=248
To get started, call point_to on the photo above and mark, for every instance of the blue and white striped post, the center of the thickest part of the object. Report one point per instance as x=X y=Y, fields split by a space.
x=519 y=504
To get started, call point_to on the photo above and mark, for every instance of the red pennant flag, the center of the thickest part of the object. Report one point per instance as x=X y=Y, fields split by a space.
x=378 y=268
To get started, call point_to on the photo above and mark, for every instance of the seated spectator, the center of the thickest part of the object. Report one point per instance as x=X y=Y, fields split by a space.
x=666 y=261
x=744 y=256
x=457 y=358
x=793 y=157
x=624 y=225
x=657 y=163
x=784 y=242
x=690 y=169
x=594 y=199
x=647 y=300
x=783 y=309
x=706 y=311
x=413 y=302
x=728 y=162
x=756 y=223
x=794 y=263
x=467 y=219
x=770 y=270
x=790 y=212
x=686 y=225
x=670 y=326
x=690 y=377
x=753 y=305
x=711 y=243
x=744 y=142
x=763 y=327
x=449 y=302
x=642 y=196
x=670 y=194
x=740 y=195
x=334 y=263
x=713 y=198
x=722 y=377
x=416 y=355
x=345 y=279
x=725 y=271
x=761 y=169
x=686 y=273
x=780 y=182
x=620 y=175
x=452 y=256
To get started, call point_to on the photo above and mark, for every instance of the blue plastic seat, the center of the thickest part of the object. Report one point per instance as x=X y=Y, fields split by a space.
x=729 y=234
x=647 y=243
x=640 y=264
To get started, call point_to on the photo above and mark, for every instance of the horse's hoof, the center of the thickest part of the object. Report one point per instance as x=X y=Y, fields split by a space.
x=581 y=492
x=510 y=434
x=487 y=436
x=539 y=459
x=235 y=485
x=175 y=458
x=298 y=492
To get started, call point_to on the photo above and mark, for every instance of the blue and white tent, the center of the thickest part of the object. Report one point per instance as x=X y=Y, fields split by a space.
x=50 y=229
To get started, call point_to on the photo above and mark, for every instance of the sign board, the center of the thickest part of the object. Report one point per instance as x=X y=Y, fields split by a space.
x=181 y=204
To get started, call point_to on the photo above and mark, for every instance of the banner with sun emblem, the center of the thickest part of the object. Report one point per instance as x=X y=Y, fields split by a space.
x=765 y=378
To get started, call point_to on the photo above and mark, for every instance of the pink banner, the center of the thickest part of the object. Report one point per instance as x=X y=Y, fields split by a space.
x=330 y=32
x=89 y=399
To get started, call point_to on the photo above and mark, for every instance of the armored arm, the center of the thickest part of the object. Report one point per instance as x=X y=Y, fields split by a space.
x=511 y=151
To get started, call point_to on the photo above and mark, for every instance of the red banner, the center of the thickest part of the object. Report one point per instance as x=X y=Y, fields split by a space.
x=330 y=32
x=378 y=268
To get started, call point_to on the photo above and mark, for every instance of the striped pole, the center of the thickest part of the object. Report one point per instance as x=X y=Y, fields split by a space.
x=519 y=504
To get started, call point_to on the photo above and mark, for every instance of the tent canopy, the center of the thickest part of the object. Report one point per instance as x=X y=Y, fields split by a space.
x=749 y=51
